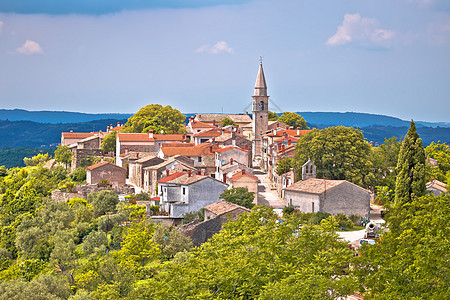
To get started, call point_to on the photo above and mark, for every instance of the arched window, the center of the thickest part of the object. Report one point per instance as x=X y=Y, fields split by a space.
x=261 y=105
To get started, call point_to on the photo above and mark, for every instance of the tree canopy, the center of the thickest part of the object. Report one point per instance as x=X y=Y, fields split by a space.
x=240 y=196
x=338 y=153
x=227 y=122
x=273 y=116
x=441 y=153
x=109 y=142
x=293 y=119
x=63 y=155
x=157 y=118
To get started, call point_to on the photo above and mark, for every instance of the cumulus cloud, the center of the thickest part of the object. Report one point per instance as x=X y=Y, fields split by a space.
x=216 y=48
x=30 y=48
x=354 y=28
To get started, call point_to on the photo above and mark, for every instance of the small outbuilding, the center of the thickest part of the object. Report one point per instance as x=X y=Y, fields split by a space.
x=330 y=196
x=106 y=171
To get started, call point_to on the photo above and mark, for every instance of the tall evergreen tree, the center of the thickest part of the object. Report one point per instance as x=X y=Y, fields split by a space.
x=410 y=183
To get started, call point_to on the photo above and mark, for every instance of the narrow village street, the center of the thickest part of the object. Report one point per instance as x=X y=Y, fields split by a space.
x=267 y=196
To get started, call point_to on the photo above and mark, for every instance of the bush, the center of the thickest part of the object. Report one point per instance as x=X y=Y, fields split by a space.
x=103 y=183
x=193 y=215
x=79 y=175
x=287 y=210
x=103 y=202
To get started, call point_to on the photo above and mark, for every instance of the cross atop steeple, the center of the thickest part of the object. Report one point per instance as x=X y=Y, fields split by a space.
x=260 y=85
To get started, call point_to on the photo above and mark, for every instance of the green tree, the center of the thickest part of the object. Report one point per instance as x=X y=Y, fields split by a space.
x=157 y=118
x=384 y=160
x=441 y=153
x=42 y=287
x=109 y=142
x=137 y=245
x=250 y=256
x=170 y=240
x=273 y=116
x=240 y=196
x=338 y=153
x=293 y=119
x=78 y=175
x=227 y=122
x=37 y=160
x=103 y=202
x=63 y=252
x=95 y=241
x=410 y=183
x=411 y=263
x=284 y=165
x=63 y=155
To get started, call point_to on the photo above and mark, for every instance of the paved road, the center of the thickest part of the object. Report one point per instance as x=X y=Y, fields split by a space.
x=266 y=196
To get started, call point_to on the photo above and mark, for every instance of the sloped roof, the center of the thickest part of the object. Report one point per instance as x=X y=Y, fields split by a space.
x=144 y=137
x=243 y=173
x=222 y=207
x=220 y=150
x=89 y=138
x=171 y=177
x=77 y=135
x=237 y=118
x=213 y=132
x=101 y=164
x=147 y=158
x=198 y=124
x=314 y=185
x=437 y=185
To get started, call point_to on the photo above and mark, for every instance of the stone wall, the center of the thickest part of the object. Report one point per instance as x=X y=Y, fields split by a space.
x=80 y=157
x=83 y=191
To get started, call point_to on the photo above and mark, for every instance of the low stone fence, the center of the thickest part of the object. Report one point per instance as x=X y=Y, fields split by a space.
x=83 y=191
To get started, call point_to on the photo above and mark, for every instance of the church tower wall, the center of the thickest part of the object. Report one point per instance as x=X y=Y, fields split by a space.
x=260 y=111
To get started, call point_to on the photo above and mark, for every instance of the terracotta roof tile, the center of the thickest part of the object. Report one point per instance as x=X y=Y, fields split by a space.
x=222 y=207
x=213 y=132
x=438 y=185
x=243 y=173
x=100 y=164
x=171 y=177
x=198 y=124
x=220 y=150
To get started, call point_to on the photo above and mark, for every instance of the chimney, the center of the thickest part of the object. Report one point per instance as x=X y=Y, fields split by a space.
x=150 y=133
x=279 y=146
x=167 y=172
x=298 y=131
x=233 y=139
x=118 y=124
x=243 y=171
x=214 y=122
x=137 y=154
x=283 y=148
x=246 y=112
x=231 y=161
x=71 y=131
x=189 y=173
x=110 y=125
x=210 y=149
x=431 y=179
x=184 y=136
x=246 y=147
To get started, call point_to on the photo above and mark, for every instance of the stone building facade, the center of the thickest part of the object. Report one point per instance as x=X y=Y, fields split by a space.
x=106 y=171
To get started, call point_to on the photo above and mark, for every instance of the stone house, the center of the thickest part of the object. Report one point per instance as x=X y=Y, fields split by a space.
x=144 y=142
x=68 y=138
x=223 y=171
x=230 y=155
x=208 y=135
x=330 y=196
x=243 y=179
x=436 y=187
x=239 y=119
x=215 y=216
x=182 y=193
x=106 y=171
x=172 y=165
x=136 y=168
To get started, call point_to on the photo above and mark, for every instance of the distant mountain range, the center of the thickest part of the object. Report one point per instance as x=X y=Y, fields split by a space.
x=55 y=117
x=326 y=119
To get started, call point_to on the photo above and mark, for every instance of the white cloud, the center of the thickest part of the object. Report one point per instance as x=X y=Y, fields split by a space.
x=30 y=48
x=216 y=48
x=362 y=30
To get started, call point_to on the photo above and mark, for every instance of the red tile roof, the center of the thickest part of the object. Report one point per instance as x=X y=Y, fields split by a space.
x=243 y=173
x=171 y=177
x=291 y=132
x=144 y=137
x=197 y=124
x=100 y=164
x=213 y=132
x=198 y=150
x=220 y=150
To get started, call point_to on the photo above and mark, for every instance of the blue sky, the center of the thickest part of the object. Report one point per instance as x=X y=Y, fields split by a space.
x=388 y=56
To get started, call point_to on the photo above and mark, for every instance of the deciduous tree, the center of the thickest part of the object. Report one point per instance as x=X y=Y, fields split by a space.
x=63 y=155
x=240 y=196
x=157 y=118
x=293 y=119
x=109 y=142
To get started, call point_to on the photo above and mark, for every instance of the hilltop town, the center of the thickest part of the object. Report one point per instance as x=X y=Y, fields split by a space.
x=250 y=205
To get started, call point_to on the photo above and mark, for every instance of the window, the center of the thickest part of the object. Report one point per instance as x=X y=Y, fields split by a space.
x=184 y=191
x=312 y=207
x=199 y=159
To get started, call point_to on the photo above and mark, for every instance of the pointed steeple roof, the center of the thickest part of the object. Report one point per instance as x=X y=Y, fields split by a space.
x=260 y=85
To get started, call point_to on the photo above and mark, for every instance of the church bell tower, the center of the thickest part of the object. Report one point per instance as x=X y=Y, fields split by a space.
x=260 y=110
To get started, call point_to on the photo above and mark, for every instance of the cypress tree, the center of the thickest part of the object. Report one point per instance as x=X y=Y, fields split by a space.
x=410 y=182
